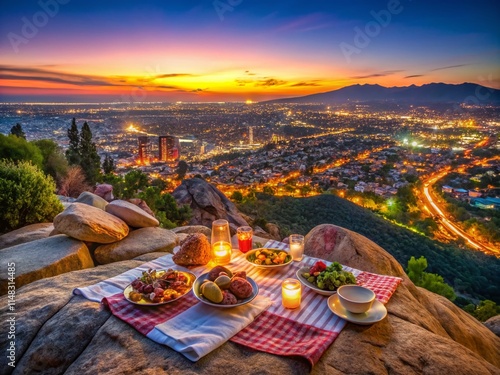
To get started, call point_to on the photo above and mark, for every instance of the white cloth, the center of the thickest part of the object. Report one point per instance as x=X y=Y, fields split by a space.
x=202 y=328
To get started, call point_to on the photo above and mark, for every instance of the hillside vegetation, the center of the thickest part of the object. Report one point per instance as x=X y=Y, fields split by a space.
x=469 y=272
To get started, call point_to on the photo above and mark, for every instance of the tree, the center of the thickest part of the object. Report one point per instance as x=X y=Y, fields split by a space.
x=237 y=196
x=134 y=181
x=159 y=183
x=73 y=184
x=486 y=309
x=430 y=281
x=181 y=170
x=27 y=195
x=17 y=130
x=54 y=163
x=165 y=208
x=18 y=149
x=73 y=151
x=108 y=165
x=89 y=158
x=268 y=190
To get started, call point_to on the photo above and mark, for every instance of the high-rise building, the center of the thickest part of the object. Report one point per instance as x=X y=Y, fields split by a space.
x=169 y=148
x=250 y=135
x=143 y=149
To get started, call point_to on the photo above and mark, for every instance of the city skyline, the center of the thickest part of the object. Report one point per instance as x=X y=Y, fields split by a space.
x=236 y=50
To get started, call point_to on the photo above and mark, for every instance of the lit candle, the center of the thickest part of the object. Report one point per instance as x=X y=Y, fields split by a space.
x=296 y=246
x=291 y=293
x=222 y=252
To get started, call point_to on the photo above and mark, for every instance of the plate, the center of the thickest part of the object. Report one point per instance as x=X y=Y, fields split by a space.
x=199 y=281
x=306 y=283
x=252 y=252
x=374 y=315
x=145 y=302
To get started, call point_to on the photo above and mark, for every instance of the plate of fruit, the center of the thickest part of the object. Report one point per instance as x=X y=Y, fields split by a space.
x=223 y=288
x=325 y=279
x=268 y=258
x=158 y=287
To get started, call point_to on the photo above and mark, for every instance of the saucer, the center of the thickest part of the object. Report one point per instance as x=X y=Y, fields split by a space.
x=374 y=315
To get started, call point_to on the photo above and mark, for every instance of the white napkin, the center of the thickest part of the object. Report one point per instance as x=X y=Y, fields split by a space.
x=203 y=328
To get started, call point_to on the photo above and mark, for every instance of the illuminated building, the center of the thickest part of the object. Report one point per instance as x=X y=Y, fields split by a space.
x=168 y=148
x=250 y=135
x=143 y=150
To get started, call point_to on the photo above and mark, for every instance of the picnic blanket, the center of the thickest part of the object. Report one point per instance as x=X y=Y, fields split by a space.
x=195 y=329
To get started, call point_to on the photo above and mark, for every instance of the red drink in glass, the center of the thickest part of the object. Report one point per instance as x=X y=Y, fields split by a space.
x=244 y=238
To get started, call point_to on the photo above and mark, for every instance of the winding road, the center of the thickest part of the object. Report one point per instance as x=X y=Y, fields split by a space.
x=431 y=205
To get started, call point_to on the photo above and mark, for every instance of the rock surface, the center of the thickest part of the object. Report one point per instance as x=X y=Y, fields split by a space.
x=142 y=205
x=207 y=204
x=91 y=224
x=493 y=324
x=105 y=191
x=423 y=333
x=92 y=200
x=138 y=242
x=26 y=234
x=341 y=245
x=189 y=229
x=131 y=214
x=43 y=258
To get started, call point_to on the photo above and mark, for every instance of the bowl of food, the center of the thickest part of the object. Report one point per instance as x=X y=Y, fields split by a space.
x=158 y=287
x=323 y=279
x=268 y=258
x=355 y=298
x=221 y=287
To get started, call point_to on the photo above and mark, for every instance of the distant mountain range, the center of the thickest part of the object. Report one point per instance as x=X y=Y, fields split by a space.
x=469 y=93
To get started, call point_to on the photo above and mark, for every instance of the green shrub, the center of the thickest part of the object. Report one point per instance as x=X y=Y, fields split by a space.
x=19 y=149
x=27 y=196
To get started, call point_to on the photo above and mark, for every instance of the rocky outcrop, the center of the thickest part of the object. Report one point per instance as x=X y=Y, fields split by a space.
x=131 y=214
x=274 y=231
x=423 y=332
x=105 y=191
x=189 y=229
x=26 y=234
x=207 y=204
x=92 y=200
x=428 y=320
x=138 y=242
x=43 y=258
x=493 y=324
x=142 y=205
x=338 y=244
x=91 y=224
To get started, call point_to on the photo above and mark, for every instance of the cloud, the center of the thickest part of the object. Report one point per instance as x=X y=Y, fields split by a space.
x=51 y=76
x=448 y=67
x=173 y=75
x=249 y=73
x=415 y=76
x=270 y=82
x=80 y=81
x=305 y=84
x=243 y=82
x=381 y=74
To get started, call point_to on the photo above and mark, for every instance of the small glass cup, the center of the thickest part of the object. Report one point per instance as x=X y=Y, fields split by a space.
x=221 y=242
x=291 y=293
x=296 y=246
x=244 y=235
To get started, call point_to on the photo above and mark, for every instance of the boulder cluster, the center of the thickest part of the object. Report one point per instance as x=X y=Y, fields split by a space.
x=89 y=232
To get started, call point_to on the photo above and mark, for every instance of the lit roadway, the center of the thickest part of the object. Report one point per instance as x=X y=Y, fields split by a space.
x=450 y=226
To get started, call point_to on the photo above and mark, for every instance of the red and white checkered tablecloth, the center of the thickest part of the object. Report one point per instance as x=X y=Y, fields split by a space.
x=305 y=332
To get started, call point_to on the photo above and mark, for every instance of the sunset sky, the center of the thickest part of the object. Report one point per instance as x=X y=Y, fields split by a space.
x=237 y=50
